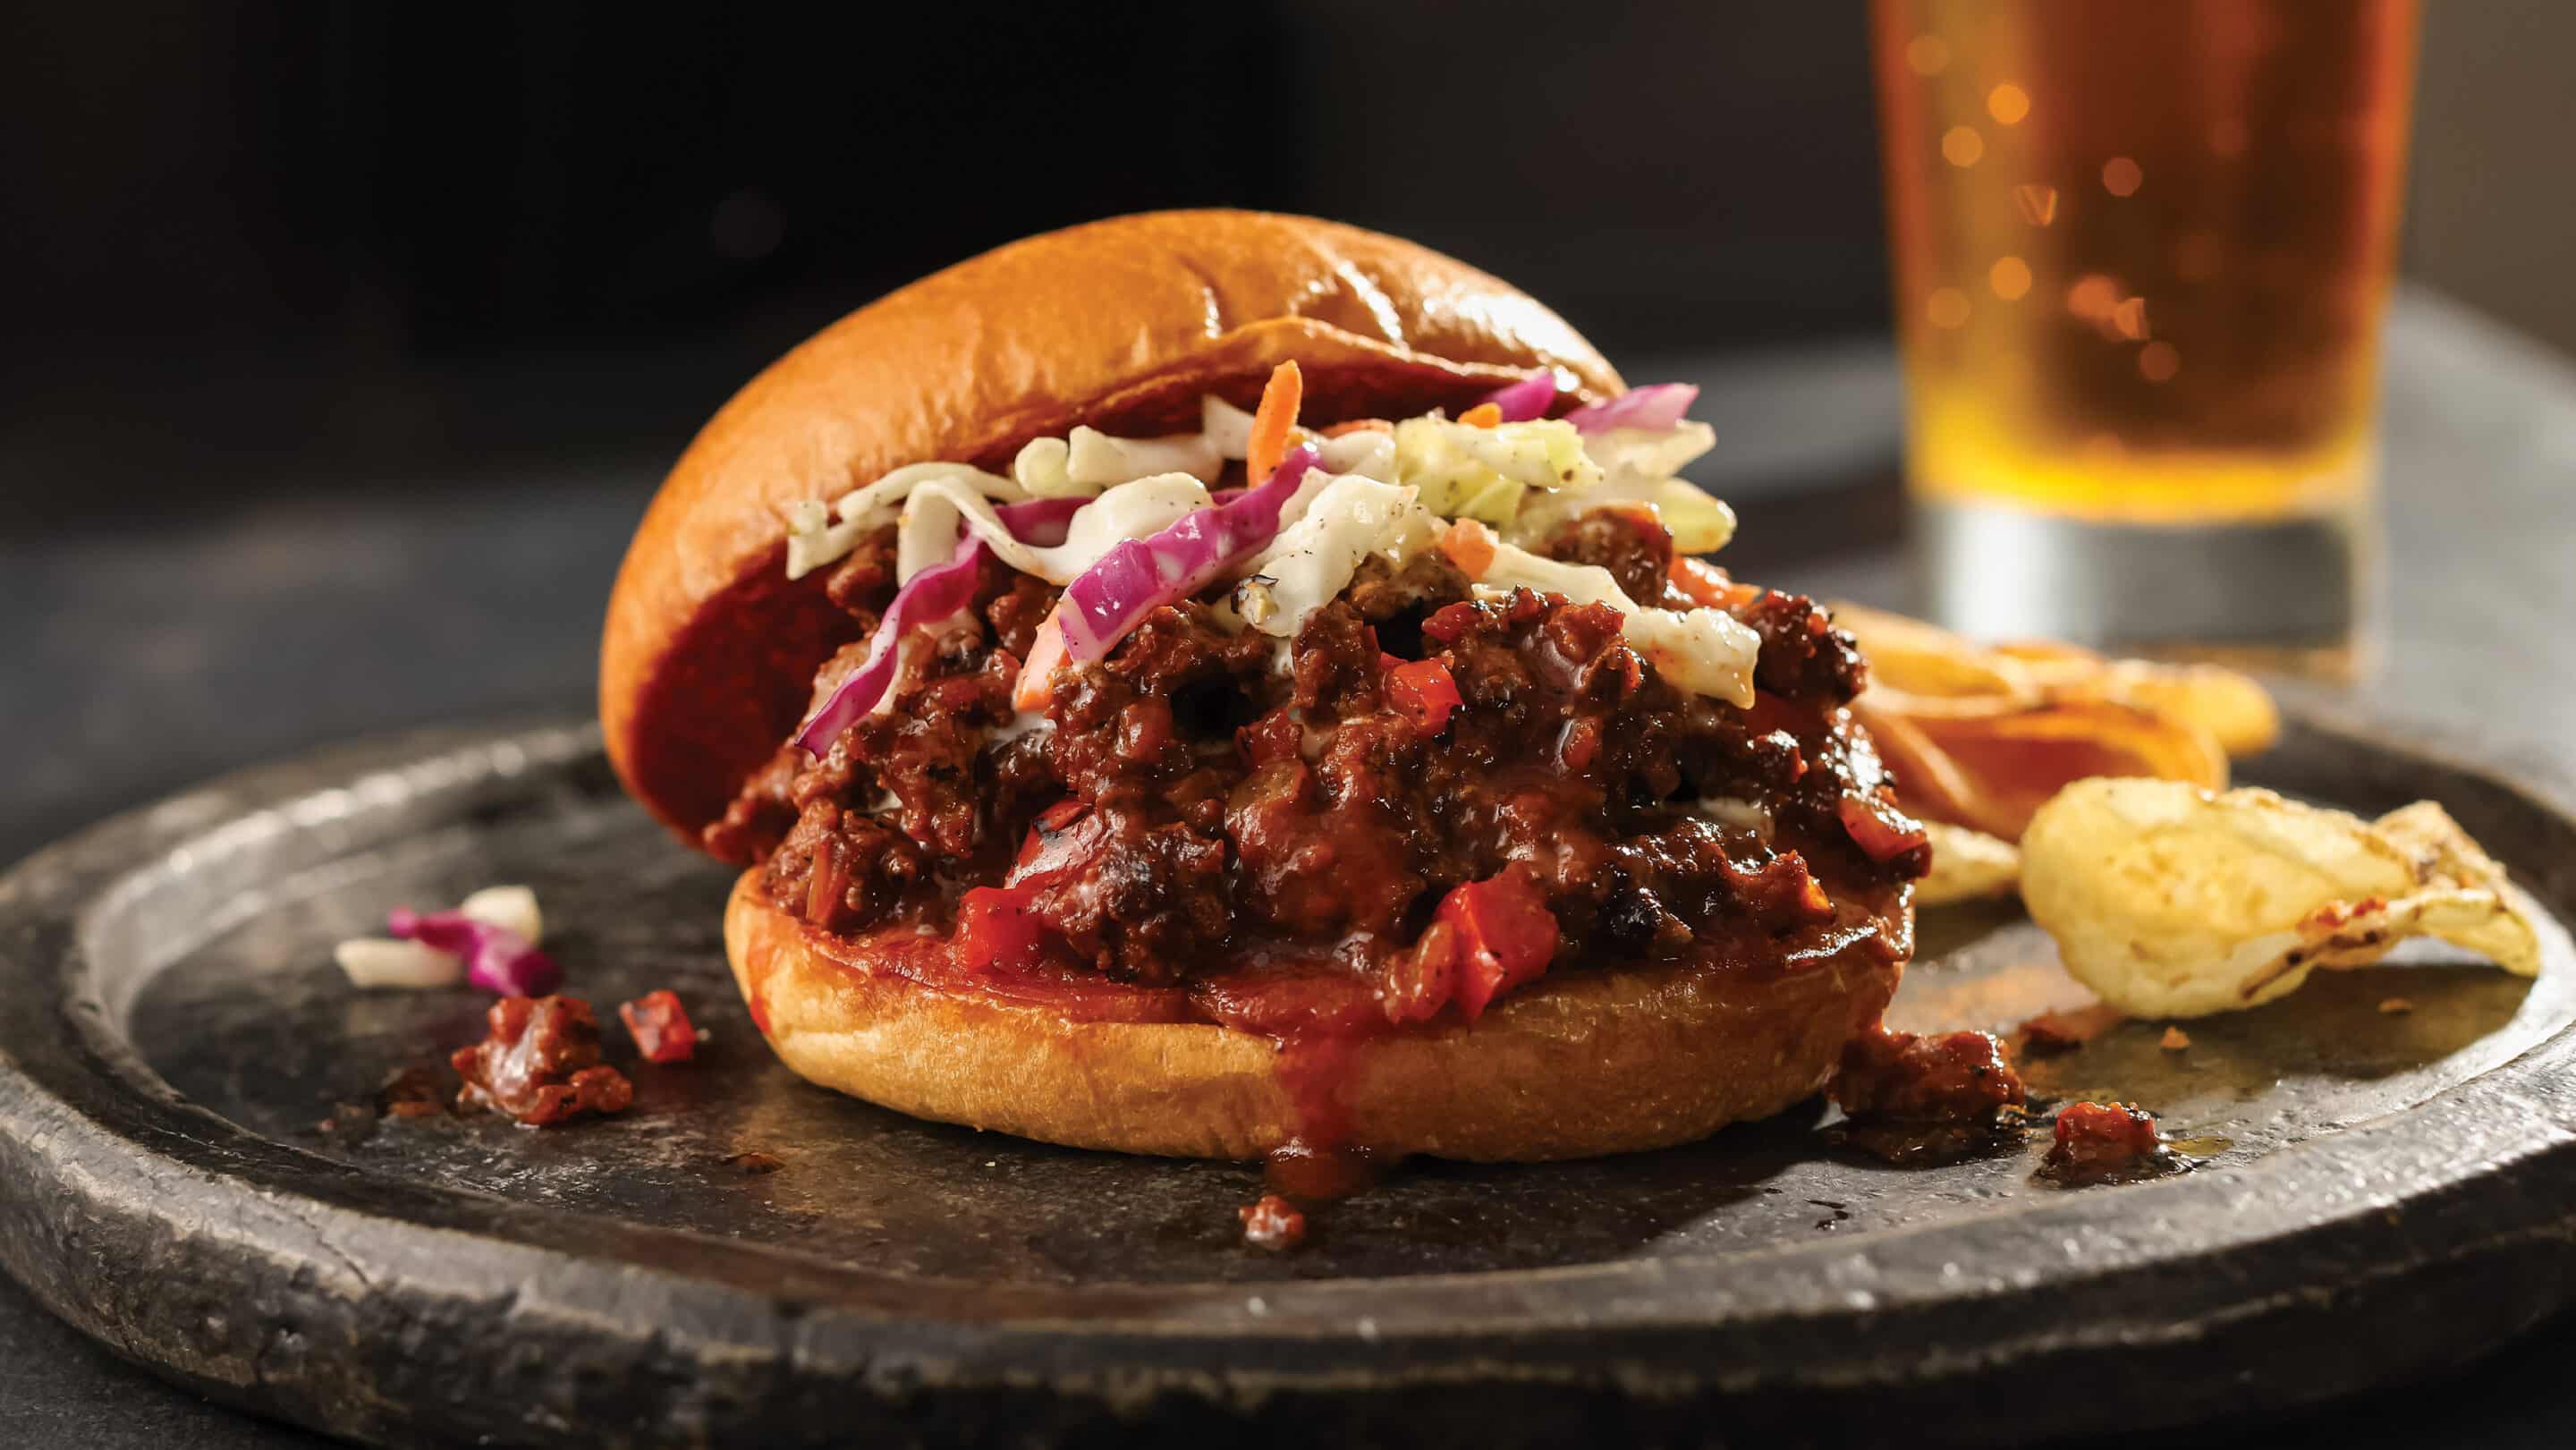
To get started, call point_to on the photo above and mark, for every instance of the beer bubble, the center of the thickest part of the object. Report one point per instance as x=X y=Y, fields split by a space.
x=2121 y=176
x=2010 y=277
x=2227 y=139
x=1929 y=55
x=2008 y=103
x=1946 y=307
x=2130 y=319
x=2158 y=362
x=1962 y=145
x=2092 y=297
x=2038 y=203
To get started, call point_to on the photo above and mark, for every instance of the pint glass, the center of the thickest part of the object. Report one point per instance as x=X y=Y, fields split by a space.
x=2141 y=251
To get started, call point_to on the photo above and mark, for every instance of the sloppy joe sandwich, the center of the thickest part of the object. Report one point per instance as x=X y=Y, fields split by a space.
x=1200 y=682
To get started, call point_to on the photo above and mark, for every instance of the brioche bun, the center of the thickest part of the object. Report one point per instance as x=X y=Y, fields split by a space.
x=709 y=654
x=1579 y=1063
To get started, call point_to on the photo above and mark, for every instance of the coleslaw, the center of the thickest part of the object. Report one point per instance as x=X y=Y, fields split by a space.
x=1125 y=525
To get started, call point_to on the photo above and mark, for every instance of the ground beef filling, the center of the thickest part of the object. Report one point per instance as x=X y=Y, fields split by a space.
x=1194 y=797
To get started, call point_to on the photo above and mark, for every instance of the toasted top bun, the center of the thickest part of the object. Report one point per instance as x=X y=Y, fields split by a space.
x=710 y=653
x=1579 y=1063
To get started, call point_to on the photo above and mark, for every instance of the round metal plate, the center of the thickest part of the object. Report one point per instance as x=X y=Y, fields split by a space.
x=2379 y=1193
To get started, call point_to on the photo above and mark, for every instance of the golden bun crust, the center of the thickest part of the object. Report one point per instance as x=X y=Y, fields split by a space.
x=1576 y=1065
x=709 y=653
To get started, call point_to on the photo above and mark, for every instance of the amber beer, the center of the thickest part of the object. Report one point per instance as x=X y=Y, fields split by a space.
x=2141 y=250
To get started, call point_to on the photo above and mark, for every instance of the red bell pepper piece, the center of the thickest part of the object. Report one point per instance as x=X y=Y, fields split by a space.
x=1424 y=693
x=660 y=1027
x=1506 y=936
x=997 y=930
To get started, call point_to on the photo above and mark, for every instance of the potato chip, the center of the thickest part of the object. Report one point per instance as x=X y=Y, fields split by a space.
x=2236 y=711
x=1966 y=866
x=1990 y=774
x=2169 y=901
x=1937 y=672
x=1981 y=737
x=1929 y=785
x=1912 y=658
x=2017 y=762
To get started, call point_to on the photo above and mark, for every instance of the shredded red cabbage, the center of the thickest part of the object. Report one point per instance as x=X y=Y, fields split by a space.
x=1529 y=398
x=933 y=595
x=1657 y=407
x=497 y=959
x=1041 y=522
x=1141 y=575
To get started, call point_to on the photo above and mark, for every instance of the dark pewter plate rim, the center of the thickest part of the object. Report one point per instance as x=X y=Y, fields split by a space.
x=395 y=1312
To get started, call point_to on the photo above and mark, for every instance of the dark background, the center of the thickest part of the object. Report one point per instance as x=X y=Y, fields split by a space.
x=249 y=246
x=255 y=245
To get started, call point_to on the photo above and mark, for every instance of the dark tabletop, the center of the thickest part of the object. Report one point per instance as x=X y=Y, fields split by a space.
x=151 y=645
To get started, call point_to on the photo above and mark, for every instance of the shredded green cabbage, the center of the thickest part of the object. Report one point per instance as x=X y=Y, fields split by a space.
x=1536 y=475
x=1459 y=468
x=1700 y=523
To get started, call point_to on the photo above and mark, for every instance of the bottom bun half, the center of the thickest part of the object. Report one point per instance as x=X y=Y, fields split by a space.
x=1580 y=1063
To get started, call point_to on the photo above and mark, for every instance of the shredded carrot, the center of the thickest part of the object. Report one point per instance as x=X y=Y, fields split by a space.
x=1046 y=652
x=1361 y=425
x=1704 y=582
x=1470 y=546
x=1483 y=415
x=1275 y=421
x=1708 y=585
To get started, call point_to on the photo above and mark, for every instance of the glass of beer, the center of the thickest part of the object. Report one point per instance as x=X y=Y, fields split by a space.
x=2141 y=251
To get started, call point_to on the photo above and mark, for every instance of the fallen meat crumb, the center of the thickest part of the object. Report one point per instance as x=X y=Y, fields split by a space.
x=541 y=1064
x=1927 y=1099
x=2174 y=1040
x=1955 y=1075
x=755 y=1164
x=2052 y=1032
x=418 y=1091
x=1272 y=1223
x=2102 y=1143
x=2396 y=1006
